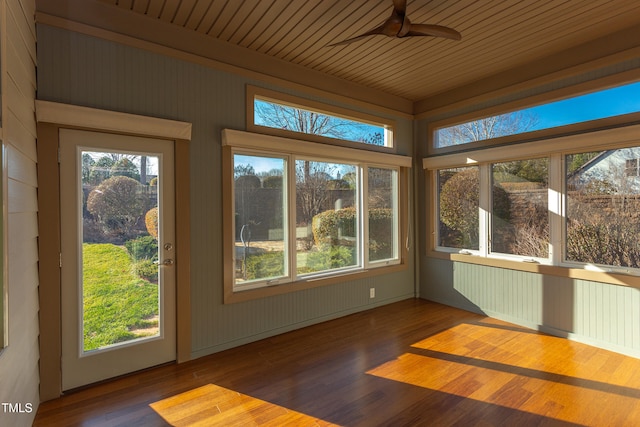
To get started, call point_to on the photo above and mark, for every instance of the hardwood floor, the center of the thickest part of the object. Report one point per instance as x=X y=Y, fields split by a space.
x=406 y=364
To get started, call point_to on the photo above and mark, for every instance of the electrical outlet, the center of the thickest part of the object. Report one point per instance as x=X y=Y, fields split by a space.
x=372 y=292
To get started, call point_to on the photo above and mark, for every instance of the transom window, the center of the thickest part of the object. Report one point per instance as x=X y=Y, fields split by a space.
x=617 y=101
x=282 y=114
x=298 y=212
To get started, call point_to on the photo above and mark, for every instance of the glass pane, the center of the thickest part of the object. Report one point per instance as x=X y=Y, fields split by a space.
x=520 y=201
x=383 y=214
x=603 y=201
x=280 y=116
x=260 y=225
x=326 y=216
x=610 y=102
x=458 y=209
x=120 y=290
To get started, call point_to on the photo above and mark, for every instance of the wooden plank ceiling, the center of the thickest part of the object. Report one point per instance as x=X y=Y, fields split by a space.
x=497 y=35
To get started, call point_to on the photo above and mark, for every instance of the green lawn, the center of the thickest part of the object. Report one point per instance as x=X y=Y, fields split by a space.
x=116 y=300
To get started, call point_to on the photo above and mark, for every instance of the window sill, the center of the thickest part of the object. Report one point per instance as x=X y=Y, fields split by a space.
x=231 y=296
x=613 y=278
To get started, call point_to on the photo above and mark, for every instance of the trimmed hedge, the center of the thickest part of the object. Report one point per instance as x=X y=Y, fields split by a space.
x=151 y=221
x=329 y=226
x=326 y=226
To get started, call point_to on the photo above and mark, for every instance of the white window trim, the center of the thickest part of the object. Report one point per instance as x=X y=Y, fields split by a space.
x=278 y=144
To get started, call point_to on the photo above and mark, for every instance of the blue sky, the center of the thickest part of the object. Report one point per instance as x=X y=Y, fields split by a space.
x=353 y=130
x=607 y=103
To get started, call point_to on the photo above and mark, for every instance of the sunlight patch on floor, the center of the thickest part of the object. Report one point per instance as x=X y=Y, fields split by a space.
x=474 y=362
x=211 y=405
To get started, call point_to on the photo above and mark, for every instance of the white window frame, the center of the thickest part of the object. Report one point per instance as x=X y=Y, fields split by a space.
x=258 y=93
x=239 y=142
x=397 y=220
x=555 y=149
x=588 y=87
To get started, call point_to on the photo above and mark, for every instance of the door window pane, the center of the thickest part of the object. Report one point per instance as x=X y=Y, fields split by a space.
x=603 y=205
x=120 y=291
x=383 y=216
x=458 y=209
x=520 y=220
x=260 y=224
x=326 y=216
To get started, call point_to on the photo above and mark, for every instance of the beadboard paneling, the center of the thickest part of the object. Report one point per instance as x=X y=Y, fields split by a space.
x=600 y=314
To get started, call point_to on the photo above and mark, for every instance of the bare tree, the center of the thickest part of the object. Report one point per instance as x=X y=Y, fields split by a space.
x=312 y=187
x=487 y=128
x=299 y=120
x=312 y=178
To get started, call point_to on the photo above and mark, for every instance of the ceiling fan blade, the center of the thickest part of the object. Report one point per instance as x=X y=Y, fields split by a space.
x=373 y=32
x=433 y=31
x=399 y=25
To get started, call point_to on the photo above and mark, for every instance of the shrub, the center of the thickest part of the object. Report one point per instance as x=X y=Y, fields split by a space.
x=117 y=204
x=151 y=222
x=328 y=226
x=145 y=247
x=380 y=233
x=146 y=269
x=267 y=264
x=248 y=182
x=329 y=257
x=272 y=182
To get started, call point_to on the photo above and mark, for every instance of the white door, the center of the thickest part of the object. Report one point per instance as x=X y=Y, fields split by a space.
x=117 y=255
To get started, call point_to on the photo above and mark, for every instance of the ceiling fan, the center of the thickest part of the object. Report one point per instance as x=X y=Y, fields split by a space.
x=399 y=25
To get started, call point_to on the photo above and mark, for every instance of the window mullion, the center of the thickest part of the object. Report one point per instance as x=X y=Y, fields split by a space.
x=291 y=217
x=363 y=216
x=485 y=210
x=556 y=209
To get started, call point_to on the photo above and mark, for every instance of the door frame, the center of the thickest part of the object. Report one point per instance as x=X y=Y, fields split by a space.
x=51 y=117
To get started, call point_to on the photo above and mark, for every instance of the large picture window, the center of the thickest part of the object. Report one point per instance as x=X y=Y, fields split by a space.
x=574 y=208
x=298 y=213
